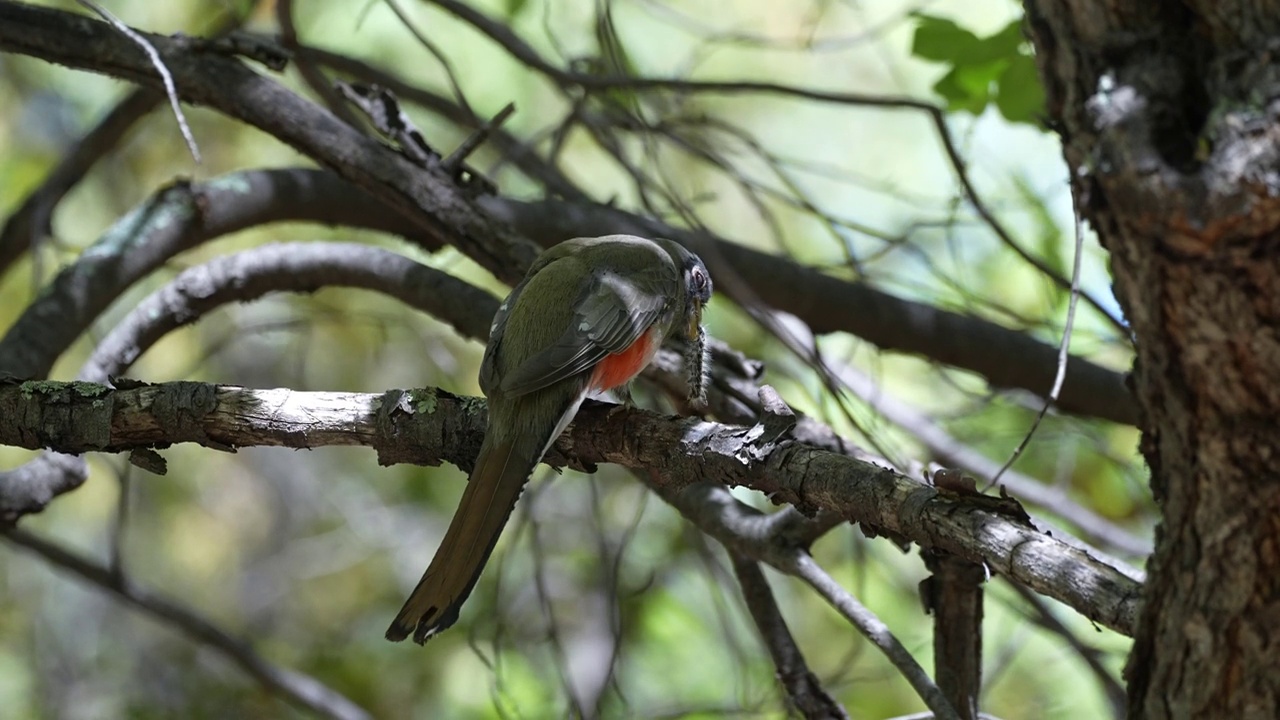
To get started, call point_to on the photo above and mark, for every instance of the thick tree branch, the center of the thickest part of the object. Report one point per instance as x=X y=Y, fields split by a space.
x=429 y=426
x=953 y=595
x=426 y=195
x=31 y=221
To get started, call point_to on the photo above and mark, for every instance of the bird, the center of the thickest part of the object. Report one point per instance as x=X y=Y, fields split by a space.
x=588 y=316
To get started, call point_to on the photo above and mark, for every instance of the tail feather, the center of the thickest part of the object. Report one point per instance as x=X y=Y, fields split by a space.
x=501 y=472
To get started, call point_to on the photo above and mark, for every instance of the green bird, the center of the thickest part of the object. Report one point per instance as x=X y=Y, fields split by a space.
x=590 y=314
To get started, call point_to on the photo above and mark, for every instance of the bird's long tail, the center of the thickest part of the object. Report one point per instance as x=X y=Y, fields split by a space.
x=501 y=471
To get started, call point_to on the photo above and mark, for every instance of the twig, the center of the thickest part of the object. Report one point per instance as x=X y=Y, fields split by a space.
x=169 y=88
x=1042 y=615
x=298 y=688
x=1064 y=354
x=436 y=52
x=307 y=67
x=802 y=687
x=525 y=53
x=876 y=631
x=453 y=163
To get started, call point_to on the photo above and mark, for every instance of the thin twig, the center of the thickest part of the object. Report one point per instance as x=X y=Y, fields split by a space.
x=804 y=567
x=522 y=51
x=477 y=138
x=298 y=688
x=1041 y=614
x=802 y=687
x=1063 y=353
x=169 y=88
x=436 y=52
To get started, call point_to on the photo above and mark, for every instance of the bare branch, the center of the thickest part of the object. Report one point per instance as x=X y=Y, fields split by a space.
x=429 y=426
x=804 y=692
x=953 y=595
x=298 y=688
x=161 y=70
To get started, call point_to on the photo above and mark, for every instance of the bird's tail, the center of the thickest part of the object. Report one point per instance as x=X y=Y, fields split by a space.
x=501 y=471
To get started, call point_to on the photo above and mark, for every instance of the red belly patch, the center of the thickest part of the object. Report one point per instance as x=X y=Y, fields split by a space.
x=619 y=368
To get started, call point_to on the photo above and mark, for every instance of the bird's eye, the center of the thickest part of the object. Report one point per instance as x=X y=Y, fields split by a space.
x=699 y=279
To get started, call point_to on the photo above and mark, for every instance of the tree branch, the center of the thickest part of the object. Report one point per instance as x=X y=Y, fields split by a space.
x=298 y=688
x=427 y=196
x=428 y=426
x=804 y=692
x=953 y=595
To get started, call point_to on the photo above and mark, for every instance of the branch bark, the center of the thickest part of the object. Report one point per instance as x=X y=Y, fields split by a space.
x=427 y=426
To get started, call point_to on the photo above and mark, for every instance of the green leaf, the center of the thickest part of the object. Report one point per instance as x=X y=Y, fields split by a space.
x=969 y=87
x=1020 y=96
x=513 y=7
x=1009 y=40
x=941 y=40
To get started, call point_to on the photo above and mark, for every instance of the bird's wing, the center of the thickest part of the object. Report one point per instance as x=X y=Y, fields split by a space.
x=610 y=314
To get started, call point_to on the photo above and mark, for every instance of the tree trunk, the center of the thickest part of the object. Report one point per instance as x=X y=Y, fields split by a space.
x=1167 y=113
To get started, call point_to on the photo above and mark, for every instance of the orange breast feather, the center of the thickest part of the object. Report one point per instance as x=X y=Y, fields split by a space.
x=619 y=368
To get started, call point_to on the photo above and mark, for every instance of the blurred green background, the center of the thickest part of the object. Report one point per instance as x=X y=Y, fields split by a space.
x=309 y=554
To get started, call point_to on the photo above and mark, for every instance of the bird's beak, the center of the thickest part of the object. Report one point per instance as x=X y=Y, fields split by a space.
x=695 y=319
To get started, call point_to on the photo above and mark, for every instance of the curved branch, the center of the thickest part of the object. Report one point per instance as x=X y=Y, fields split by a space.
x=428 y=196
x=172 y=221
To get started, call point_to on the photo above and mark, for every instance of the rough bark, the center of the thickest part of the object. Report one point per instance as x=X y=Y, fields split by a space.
x=427 y=426
x=1167 y=113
